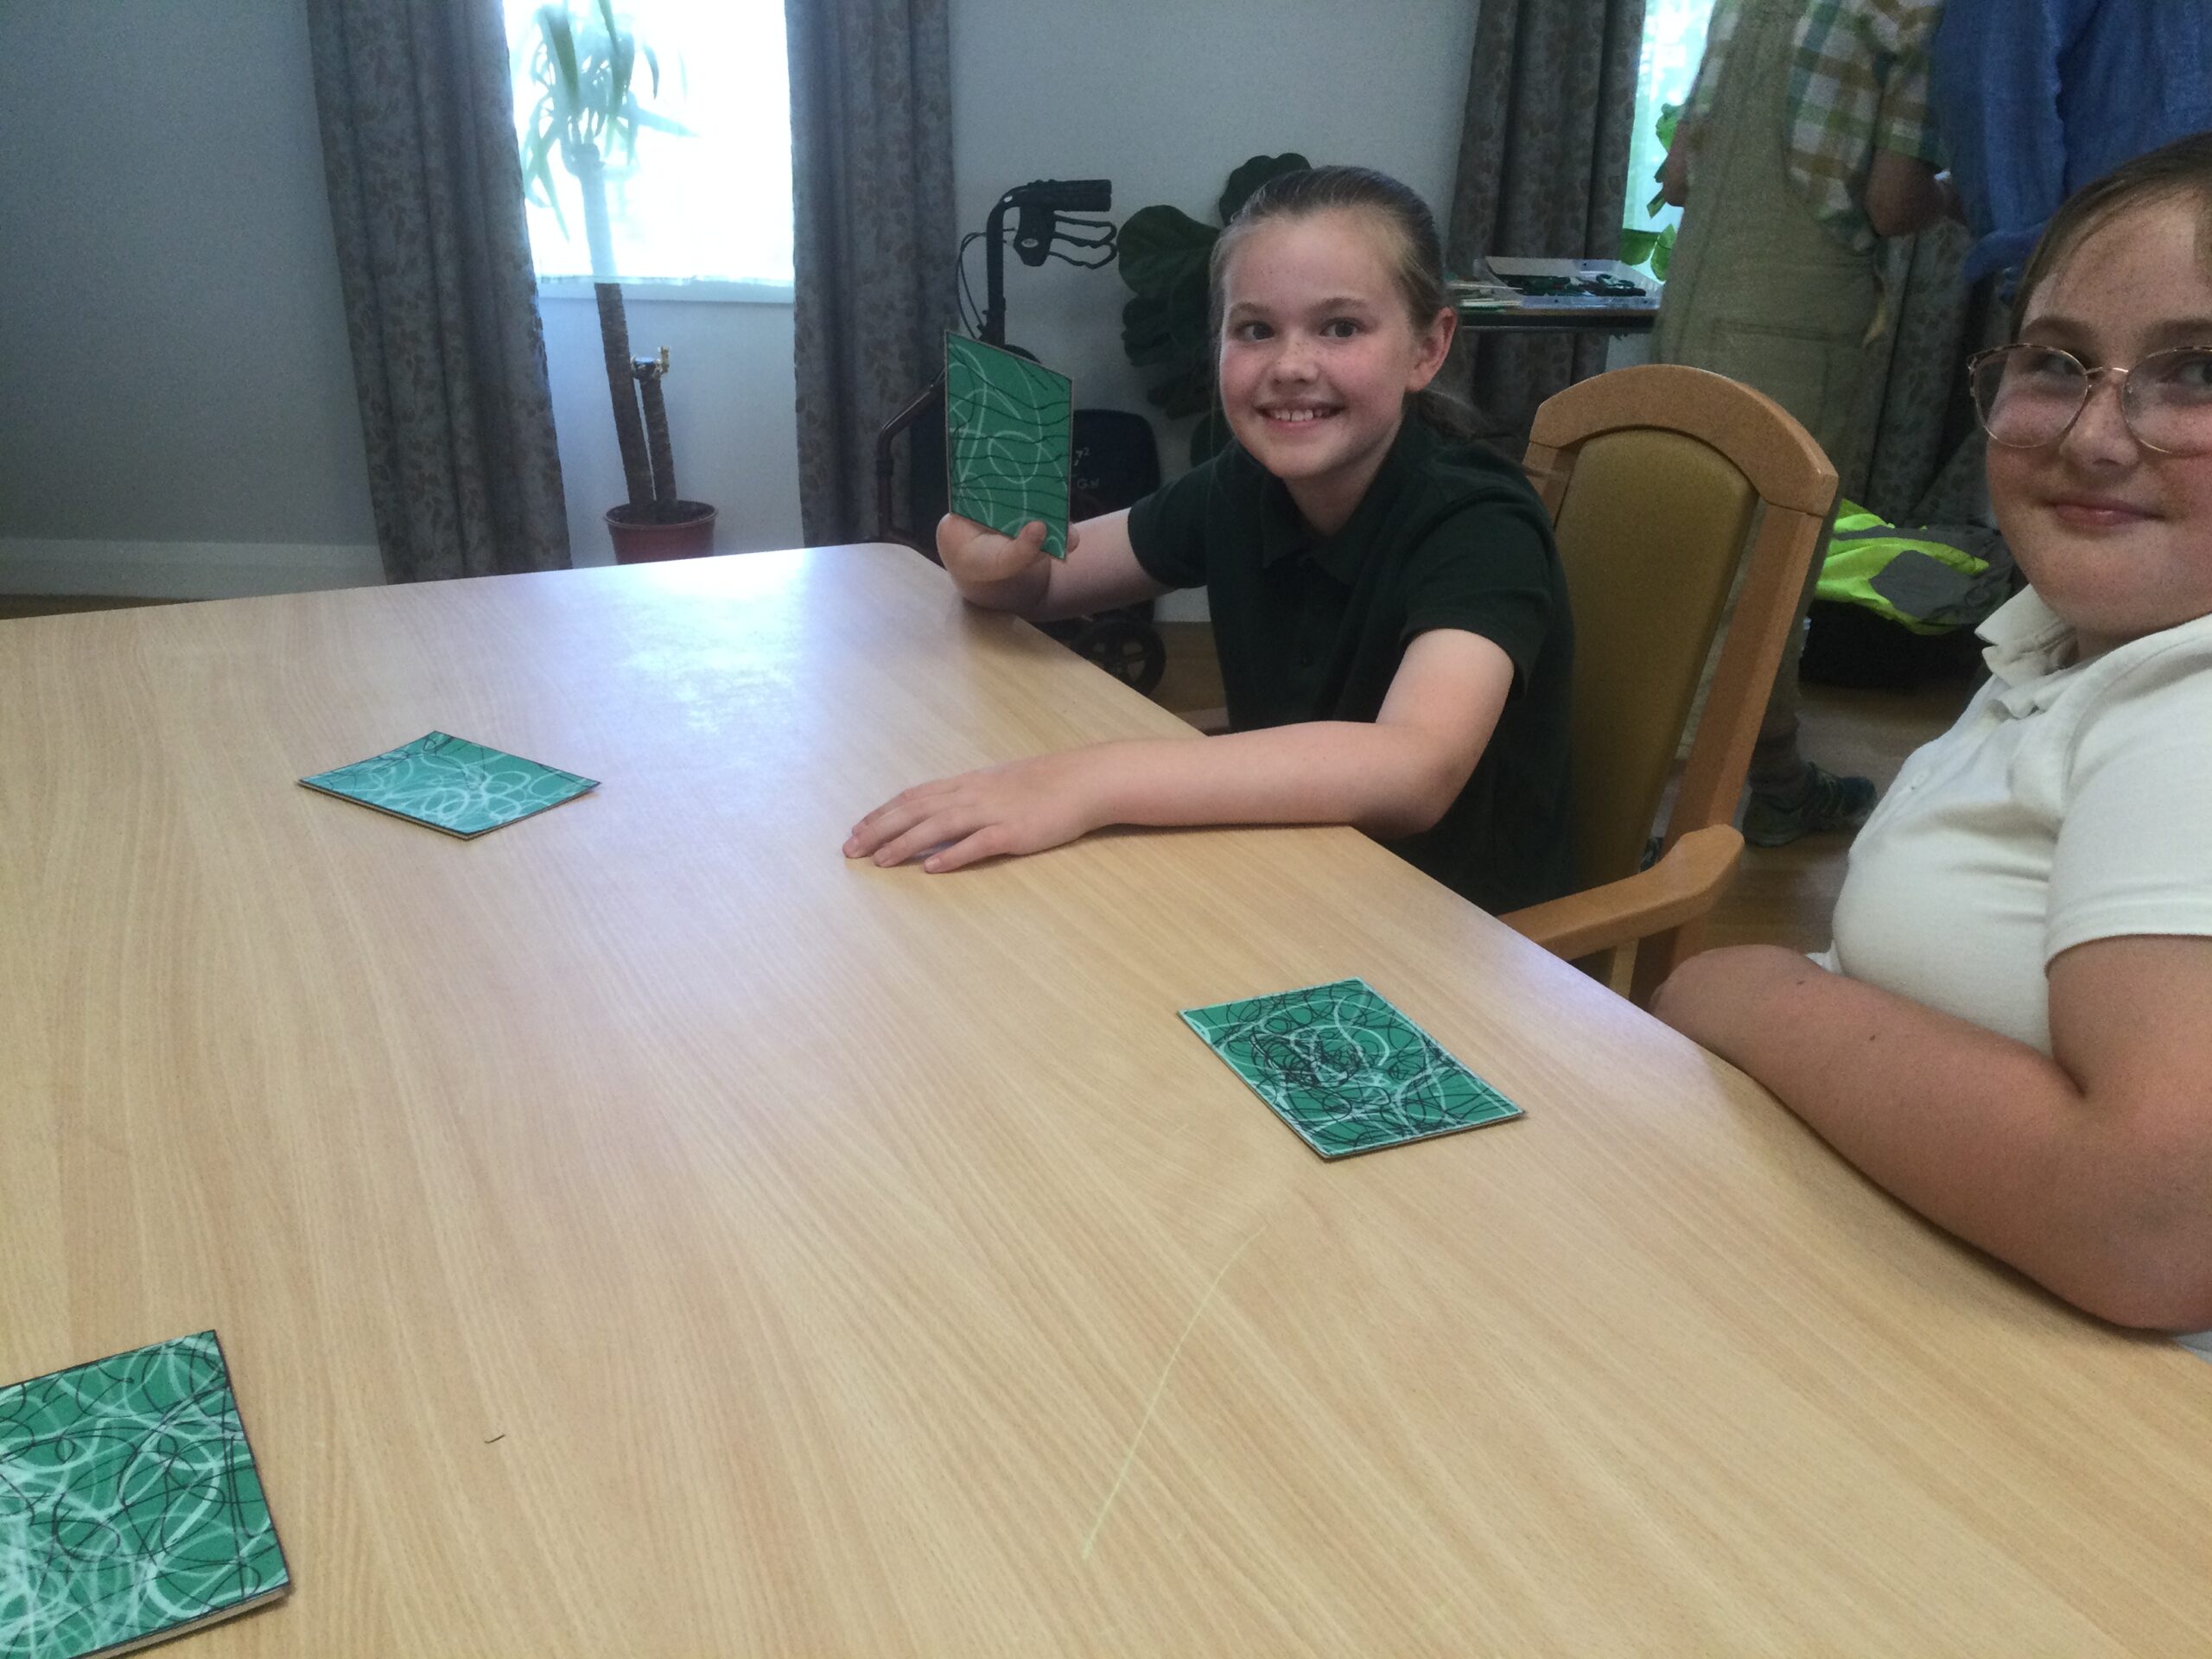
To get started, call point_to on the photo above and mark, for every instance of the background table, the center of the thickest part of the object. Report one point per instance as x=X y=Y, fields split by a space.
x=1539 y=320
x=1585 y=313
x=642 y=1231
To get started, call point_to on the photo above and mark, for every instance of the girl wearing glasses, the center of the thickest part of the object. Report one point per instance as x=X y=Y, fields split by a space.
x=2013 y=1031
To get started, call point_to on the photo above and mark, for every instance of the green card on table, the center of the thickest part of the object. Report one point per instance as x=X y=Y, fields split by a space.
x=1009 y=440
x=130 y=1507
x=452 y=785
x=1347 y=1069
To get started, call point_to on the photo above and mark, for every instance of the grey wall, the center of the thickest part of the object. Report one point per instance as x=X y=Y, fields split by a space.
x=173 y=359
x=176 y=400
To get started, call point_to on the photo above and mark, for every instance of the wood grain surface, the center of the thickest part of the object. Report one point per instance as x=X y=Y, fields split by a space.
x=642 y=1231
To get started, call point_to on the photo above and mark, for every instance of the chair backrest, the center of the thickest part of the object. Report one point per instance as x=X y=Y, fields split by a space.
x=1662 y=482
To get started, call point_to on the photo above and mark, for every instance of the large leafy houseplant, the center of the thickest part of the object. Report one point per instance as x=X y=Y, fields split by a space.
x=589 y=114
x=1653 y=249
x=1166 y=324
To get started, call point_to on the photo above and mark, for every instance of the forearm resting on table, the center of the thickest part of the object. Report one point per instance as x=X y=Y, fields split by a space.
x=1387 y=780
x=2102 y=1192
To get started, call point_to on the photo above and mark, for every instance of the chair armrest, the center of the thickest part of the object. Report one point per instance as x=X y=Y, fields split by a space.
x=1680 y=888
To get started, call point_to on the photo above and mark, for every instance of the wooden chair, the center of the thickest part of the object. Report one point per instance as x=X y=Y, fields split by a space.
x=1657 y=478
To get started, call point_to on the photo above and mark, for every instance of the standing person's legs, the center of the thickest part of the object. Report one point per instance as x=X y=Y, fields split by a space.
x=1792 y=795
x=1762 y=292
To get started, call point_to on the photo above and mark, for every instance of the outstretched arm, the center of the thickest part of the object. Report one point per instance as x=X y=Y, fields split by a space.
x=1393 y=778
x=2091 y=1170
x=1002 y=572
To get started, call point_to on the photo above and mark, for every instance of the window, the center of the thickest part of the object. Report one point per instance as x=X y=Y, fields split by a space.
x=707 y=207
x=1674 y=40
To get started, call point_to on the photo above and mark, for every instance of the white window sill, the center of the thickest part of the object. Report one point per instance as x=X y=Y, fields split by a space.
x=718 y=290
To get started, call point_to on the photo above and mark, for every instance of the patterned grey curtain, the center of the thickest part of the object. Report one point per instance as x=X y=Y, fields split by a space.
x=874 y=224
x=1543 y=163
x=1917 y=452
x=418 y=145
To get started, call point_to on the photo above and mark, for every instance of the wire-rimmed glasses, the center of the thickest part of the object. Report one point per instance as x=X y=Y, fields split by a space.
x=2029 y=395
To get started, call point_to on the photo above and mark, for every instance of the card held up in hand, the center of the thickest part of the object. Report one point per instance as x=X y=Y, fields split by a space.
x=1009 y=440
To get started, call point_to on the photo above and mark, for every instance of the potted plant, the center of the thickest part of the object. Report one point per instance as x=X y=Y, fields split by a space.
x=588 y=112
x=1166 y=328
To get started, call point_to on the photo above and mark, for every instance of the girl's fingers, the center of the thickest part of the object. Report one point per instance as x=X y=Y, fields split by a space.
x=988 y=841
x=871 y=832
x=931 y=831
x=923 y=825
x=894 y=815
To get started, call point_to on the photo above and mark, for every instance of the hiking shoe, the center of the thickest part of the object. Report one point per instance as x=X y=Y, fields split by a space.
x=1821 y=804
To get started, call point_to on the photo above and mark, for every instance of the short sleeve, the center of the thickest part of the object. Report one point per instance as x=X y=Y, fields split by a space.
x=1905 y=123
x=1902 y=31
x=1487 y=568
x=1167 y=529
x=2134 y=855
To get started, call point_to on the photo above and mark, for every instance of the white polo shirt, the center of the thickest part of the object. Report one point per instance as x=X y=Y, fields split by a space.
x=2072 y=802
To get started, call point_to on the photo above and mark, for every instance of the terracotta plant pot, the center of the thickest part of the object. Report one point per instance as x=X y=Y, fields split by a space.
x=638 y=542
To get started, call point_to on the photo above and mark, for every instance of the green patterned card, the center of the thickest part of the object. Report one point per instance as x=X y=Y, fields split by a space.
x=1347 y=1069
x=452 y=785
x=1009 y=440
x=130 y=1508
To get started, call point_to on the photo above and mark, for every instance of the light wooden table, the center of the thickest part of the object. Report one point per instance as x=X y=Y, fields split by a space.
x=641 y=1231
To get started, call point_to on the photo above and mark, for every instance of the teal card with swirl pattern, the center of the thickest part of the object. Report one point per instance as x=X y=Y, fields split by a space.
x=452 y=785
x=1347 y=1069
x=130 y=1510
x=1009 y=440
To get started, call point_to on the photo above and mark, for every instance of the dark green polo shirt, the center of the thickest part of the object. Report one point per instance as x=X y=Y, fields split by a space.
x=1313 y=627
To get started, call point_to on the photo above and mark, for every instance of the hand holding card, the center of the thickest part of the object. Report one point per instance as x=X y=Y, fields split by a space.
x=975 y=555
x=1009 y=440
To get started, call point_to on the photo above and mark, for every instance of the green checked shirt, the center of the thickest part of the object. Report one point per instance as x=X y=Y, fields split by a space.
x=1858 y=83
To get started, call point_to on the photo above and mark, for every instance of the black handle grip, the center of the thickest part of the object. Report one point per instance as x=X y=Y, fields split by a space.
x=1068 y=195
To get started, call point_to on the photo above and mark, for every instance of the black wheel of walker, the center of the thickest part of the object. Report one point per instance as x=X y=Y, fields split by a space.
x=1128 y=647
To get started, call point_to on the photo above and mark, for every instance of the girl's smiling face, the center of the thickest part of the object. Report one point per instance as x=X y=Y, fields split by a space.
x=2116 y=538
x=1319 y=354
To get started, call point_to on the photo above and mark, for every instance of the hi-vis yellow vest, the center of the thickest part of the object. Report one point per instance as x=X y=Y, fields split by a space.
x=1932 y=579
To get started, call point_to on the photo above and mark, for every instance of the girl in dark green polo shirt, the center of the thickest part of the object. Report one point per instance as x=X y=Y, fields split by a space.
x=1390 y=612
